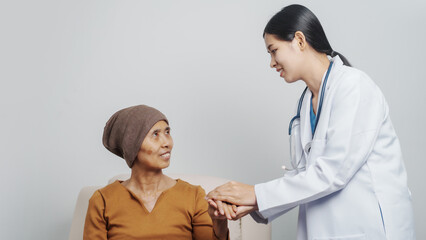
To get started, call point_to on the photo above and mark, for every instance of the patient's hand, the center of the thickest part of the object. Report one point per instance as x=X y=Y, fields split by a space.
x=221 y=210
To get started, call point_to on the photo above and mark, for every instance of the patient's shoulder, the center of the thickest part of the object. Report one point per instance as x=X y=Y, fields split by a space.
x=112 y=190
x=189 y=188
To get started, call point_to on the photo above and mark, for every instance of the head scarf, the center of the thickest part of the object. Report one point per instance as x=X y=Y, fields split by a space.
x=126 y=129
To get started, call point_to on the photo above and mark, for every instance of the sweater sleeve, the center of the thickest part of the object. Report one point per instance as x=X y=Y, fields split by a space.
x=95 y=224
x=201 y=222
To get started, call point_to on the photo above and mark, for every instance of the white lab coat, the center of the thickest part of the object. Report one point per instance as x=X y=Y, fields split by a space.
x=355 y=184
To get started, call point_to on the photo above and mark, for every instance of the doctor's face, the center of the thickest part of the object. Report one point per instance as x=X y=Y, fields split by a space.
x=285 y=57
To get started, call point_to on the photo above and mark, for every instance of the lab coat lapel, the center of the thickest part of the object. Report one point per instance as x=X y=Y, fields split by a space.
x=337 y=64
x=305 y=111
x=305 y=123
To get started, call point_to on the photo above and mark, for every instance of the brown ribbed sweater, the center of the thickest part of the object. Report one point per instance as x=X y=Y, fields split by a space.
x=180 y=212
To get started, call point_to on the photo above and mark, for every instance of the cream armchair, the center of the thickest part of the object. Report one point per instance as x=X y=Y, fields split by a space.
x=243 y=229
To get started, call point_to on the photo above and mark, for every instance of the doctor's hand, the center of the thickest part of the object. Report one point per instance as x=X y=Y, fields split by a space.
x=235 y=193
x=244 y=210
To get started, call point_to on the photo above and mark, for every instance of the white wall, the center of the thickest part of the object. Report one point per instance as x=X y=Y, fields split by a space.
x=66 y=66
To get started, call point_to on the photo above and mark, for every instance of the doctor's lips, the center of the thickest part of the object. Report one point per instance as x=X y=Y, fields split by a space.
x=280 y=70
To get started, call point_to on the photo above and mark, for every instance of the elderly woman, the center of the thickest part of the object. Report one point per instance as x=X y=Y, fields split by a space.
x=149 y=205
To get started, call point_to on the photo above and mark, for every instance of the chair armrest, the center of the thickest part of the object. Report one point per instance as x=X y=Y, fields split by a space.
x=77 y=225
x=251 y=230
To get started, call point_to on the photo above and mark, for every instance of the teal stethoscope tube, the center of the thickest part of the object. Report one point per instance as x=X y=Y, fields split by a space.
x=324 y=84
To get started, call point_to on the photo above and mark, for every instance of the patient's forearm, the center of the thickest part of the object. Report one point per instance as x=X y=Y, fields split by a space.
x=220 y=228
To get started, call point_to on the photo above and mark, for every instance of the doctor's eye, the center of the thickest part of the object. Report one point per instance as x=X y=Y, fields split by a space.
x=273 y=51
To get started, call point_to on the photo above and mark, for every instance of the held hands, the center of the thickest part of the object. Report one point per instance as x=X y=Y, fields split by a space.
x=231 y=201
x=235 y=193
x=219 y=210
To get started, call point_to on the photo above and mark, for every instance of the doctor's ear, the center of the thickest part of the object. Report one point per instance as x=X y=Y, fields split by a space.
x=300 y=39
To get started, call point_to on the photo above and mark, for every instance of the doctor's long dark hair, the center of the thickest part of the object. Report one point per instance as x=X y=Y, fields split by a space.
x=293 y=18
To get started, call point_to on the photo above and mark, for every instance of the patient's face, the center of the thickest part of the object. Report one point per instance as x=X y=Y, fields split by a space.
x=156 y=148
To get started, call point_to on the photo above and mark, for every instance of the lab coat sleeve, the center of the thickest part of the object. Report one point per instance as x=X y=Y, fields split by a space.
x=259 y=218
x=357 y=112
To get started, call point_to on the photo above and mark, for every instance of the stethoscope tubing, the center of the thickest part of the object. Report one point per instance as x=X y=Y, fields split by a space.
x=322 y=95
x=324 y=84
x=298 y=111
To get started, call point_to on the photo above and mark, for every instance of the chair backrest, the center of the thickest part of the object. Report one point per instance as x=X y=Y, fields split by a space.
x=243 y=229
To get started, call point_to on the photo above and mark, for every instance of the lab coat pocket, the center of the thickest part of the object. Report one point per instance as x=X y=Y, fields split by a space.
x=314 y=149
x=347 y=237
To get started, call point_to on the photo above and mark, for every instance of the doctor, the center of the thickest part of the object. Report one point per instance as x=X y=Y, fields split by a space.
x=348 y=177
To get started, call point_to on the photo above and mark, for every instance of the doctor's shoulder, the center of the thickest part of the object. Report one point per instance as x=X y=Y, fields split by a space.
x=353 y=78
x=357 y=87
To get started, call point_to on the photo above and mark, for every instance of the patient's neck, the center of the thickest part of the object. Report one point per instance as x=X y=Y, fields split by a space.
x=148 y=182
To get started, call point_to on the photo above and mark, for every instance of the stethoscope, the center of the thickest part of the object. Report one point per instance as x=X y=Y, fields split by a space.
x=293 y=153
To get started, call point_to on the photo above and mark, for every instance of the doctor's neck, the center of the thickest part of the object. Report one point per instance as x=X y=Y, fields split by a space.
x=316 y=66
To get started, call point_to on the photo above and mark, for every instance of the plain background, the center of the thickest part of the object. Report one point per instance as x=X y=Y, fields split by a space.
x=67 y=66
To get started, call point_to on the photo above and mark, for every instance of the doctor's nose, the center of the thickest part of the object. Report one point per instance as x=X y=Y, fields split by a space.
x=273 y=63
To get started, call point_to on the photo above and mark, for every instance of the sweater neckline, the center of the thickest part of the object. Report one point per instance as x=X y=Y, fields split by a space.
x=159 y=199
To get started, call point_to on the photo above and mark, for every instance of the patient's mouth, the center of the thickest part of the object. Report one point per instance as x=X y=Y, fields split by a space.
x=166 y=155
